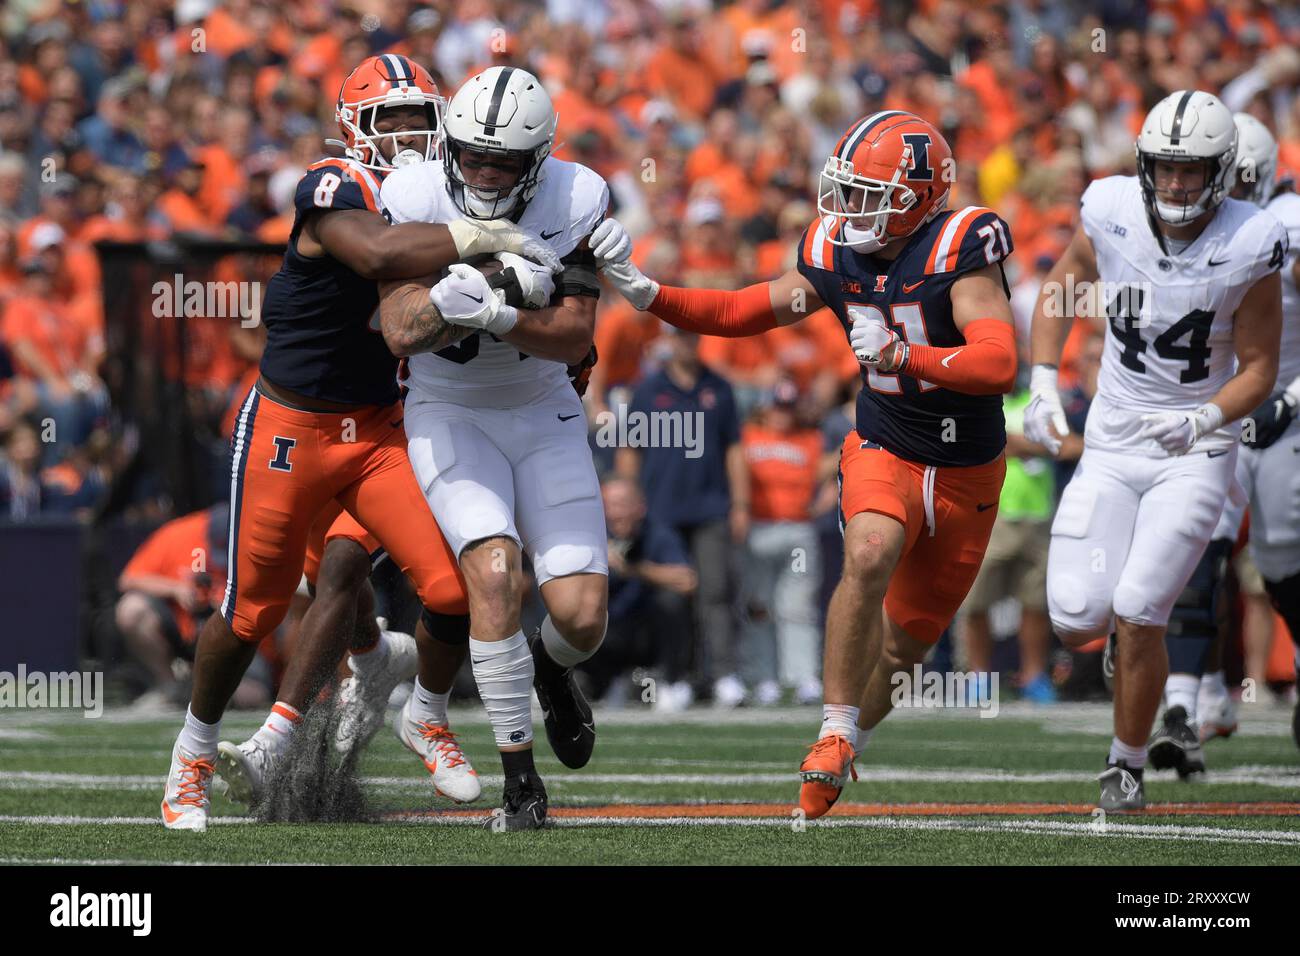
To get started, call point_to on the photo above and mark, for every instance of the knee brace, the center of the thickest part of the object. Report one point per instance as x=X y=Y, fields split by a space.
x=450 y=629
x=1194 y=622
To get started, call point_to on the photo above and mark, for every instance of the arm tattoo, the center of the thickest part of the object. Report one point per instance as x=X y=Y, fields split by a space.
x=411 y=323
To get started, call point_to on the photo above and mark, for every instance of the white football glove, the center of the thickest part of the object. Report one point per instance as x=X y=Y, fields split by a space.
x=870 y=339
x=464 y=298
x=1045 y=416
x=1177 y=432
x=631 y=283
x=476 y=237
x=610 y=242
x=535 y=280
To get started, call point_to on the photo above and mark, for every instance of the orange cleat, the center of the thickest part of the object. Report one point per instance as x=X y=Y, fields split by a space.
x=823 y=771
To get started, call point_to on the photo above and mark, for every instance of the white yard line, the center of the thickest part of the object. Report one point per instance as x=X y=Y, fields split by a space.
x=1256 y=775
x=1140 y=831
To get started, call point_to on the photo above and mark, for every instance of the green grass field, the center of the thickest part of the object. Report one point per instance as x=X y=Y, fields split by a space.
x=935 y=788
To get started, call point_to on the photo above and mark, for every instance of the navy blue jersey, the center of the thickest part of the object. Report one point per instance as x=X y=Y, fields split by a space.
x=322 y=328
x=913 y=419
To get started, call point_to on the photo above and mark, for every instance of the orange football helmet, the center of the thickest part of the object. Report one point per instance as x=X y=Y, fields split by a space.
x=380 y=82
x=890 y=174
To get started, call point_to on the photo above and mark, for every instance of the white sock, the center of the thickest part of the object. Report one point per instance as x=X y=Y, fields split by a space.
x=1214 y=684
x=198 y=738
x=503 y=671
x=428 y=707
x=560 y=650
x=1181 y=691
x=863 y=737
x=1134 y=757
x=839 y=719
x=367 y=662
x=278 y=729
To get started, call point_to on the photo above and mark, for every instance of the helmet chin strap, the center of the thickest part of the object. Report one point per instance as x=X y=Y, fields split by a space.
x=865 y=241
x=481 y=206
x=1180 y=214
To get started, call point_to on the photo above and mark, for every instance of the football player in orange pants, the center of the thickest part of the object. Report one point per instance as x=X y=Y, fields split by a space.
x=921 y=294
x=324 y=422
x=340 y=557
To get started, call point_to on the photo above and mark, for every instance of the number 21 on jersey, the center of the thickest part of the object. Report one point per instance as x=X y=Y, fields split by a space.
x=907 y=319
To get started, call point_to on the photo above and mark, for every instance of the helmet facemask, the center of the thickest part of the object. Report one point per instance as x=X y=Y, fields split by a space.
x=1176 y=213
x=480 y=202
x=861 y=205
x=364 y=139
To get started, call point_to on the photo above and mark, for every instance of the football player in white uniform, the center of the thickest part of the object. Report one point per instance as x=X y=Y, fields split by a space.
x=1192 y=302
x=497 y=434
x=1266 y=468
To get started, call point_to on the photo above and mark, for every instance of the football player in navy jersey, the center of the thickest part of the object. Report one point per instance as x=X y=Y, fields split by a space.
x=924 y=302
x=323 y=426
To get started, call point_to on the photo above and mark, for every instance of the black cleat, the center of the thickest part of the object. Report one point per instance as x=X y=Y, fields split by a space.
x=570 y=728
x=1121 y=789
x=523 y=807
x=1176 y=745
x=1108 y=662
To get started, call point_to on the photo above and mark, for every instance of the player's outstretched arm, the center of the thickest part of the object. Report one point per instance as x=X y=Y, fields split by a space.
x=365 y=242
x=1045 y=416
x=410 y=321
x=749 y=311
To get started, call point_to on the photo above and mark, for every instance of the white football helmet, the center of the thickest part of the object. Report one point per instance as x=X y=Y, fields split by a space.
x=1189 y=126
x=502 y=111
x=1256 y=158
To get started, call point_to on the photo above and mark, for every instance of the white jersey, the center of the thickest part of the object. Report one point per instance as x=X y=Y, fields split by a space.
x=482 y=371
x=1286 y=207
x=1170 y=317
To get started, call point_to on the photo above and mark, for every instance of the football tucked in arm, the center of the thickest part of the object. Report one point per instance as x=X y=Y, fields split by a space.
x=523 y=283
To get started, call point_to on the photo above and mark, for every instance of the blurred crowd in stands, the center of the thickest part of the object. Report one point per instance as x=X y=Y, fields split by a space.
x=143 y=120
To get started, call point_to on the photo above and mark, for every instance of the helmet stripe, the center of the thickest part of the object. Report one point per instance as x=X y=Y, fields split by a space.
x=398 y=70
x=867 y=125
x=498 y=93
x=1178 y=118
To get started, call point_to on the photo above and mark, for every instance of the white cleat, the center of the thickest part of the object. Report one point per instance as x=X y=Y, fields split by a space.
x=245 y=769
x=437 y=746
x=674 y=698
x=1220 y=718
x=188 y=793
x=729 y=692
x=363 y=701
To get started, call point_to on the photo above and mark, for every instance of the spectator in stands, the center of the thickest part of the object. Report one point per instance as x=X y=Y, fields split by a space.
x=169 y=587
x=54 y=348
x=650 y=585
x=782 y=570
x=697 y=484
x=710 y=121
x=15 y=200
x=21 y=490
